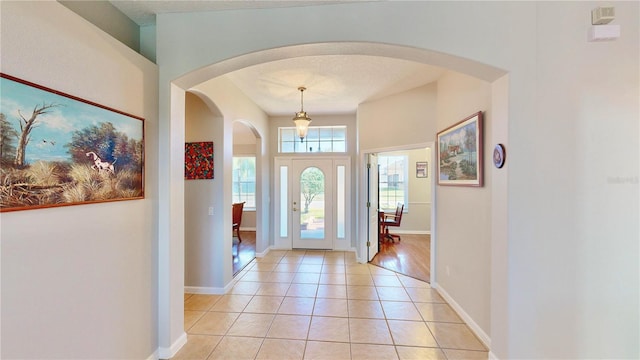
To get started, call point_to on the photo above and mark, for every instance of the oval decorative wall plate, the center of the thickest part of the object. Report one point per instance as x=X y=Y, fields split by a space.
x=499 y=156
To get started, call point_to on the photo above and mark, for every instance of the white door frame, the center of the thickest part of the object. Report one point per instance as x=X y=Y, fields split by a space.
x=282 y=235
x=373 y=238
x=361 y=208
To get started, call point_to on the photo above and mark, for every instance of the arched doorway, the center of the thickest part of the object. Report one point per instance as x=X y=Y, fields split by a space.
x=193 y=78
x=244 y=191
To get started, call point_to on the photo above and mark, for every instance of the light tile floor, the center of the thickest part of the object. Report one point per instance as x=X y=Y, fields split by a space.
x=324 y=305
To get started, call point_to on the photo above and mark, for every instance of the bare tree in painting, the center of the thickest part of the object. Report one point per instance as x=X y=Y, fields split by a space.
x=26 y=126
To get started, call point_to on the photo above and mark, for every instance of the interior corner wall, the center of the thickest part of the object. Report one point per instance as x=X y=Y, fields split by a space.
x=463 y=251
x=234 y=105
x=201 y=124
x=108 y=18
x=80 y=281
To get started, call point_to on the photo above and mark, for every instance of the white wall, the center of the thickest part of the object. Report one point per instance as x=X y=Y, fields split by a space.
x=573 y=228
x=561 y=91
x=464 y=213
x=80 y=281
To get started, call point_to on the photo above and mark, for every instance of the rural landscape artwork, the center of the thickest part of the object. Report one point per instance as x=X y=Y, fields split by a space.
x=460 y=153
x=57 y=149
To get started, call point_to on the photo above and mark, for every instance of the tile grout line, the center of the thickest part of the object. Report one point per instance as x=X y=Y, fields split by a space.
x=330 y=295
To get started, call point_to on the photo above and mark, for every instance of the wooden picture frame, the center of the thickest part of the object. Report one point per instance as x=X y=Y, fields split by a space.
x=422 y=170
x=57 y=149
x=460 y=160
x=198 y=160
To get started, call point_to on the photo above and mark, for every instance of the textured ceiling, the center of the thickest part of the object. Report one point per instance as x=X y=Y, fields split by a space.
x=335 y=83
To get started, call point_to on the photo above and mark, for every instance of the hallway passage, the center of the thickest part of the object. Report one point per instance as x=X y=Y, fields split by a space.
x=324 y=305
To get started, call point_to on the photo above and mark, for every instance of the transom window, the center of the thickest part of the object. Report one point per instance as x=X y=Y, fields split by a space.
x=318 y=139
x=393 y=181
x=244 y=181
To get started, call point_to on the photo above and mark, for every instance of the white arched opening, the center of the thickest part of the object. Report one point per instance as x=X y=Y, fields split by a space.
x=199 y=79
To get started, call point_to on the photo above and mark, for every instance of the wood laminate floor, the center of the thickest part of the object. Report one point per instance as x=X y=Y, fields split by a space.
x=410 y=257
x=246 y=250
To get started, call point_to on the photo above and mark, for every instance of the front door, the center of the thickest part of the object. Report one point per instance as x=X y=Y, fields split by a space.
x=312 y=204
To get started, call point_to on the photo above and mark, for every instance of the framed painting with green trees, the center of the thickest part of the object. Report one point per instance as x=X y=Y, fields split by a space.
x=460 y=153
x=57 y=149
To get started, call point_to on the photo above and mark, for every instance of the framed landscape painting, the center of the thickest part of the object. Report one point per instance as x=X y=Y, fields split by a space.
x=57 y=149
x=460 y=153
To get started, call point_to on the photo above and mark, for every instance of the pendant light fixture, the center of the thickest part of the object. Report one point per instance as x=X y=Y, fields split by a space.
x=301 y=119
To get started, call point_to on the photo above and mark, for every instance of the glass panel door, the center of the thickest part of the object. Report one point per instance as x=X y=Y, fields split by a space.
x=312 y=199
x=312 y=218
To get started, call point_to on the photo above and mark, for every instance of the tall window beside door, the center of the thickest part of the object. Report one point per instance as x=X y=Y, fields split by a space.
x=393 y=186
x=244 y=181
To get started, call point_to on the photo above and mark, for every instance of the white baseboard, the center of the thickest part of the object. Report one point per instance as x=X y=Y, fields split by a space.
x=415 y=232
x=208 y=290
x=492 y=356
x=168 y=353
x=154 y=356
x=264 y=253
x=486 y=340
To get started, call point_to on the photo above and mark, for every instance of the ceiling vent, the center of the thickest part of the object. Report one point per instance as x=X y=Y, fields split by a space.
x=603 y=15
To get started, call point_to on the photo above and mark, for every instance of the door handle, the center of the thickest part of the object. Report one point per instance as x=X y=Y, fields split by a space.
x=294 y=209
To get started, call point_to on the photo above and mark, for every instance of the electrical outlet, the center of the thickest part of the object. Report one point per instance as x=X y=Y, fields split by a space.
x=210 y=210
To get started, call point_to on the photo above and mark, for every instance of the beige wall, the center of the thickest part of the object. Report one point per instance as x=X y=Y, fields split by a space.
x=109 y=19
x=398 y=120
x=200 y=125
x=80 y=281
x=230 y=105
x=464 y=213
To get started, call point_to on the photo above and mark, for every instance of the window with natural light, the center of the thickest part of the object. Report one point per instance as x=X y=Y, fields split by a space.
x=325 y=139
x=244 y=181
x=393 y=181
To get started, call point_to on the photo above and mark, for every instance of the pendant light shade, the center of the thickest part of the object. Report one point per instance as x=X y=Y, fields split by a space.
x=301 y=119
